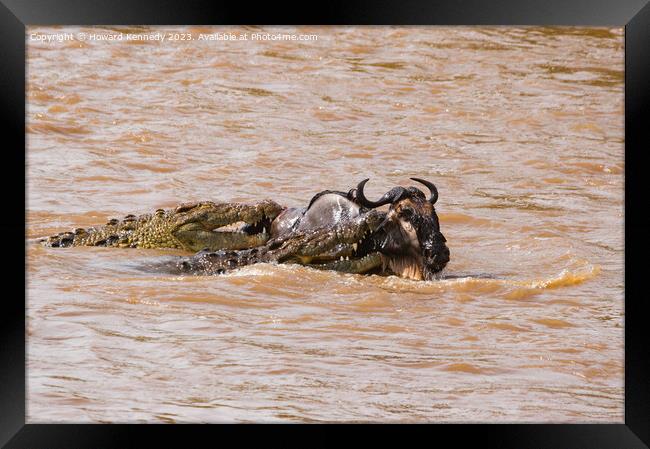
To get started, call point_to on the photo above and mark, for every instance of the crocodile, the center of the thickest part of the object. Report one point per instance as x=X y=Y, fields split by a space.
x=340 y=231
x=348 y=246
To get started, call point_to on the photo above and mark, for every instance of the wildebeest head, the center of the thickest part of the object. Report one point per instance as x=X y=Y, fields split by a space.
x=410 y=237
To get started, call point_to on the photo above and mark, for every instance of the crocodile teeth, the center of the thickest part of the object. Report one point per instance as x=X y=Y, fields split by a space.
x=264 y=230
x=341 y=258
x=347 y=258
x=354 y=246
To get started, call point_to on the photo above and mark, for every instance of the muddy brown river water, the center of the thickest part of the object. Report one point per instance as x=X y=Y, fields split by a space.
x=521 y=129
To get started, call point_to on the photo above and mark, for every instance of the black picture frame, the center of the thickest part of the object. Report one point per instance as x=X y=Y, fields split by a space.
x=634 y=15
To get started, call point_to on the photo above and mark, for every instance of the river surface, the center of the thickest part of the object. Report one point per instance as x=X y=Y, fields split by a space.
x=521 y=129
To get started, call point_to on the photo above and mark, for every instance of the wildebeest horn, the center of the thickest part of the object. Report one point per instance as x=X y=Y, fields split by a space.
x=431 y=187
x=391 y=196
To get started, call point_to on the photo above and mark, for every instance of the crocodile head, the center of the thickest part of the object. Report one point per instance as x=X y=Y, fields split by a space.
x=223 y=225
